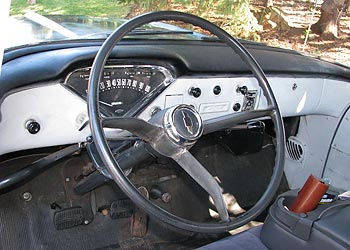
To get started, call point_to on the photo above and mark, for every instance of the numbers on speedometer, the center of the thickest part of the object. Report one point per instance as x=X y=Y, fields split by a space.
x=123 y=90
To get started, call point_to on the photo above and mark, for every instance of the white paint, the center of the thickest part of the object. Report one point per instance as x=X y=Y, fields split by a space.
x=338 y=169
x=208 y=104
x=316 y=132
x=338 y=165
x=303 y=100
x=335 y=98
x=172 y=100
x=58 y=111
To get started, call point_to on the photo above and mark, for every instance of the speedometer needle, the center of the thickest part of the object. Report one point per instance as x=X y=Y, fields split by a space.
x=111 y=104
x=105 y=103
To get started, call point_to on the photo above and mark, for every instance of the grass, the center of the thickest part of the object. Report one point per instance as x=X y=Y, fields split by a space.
x=96 y=8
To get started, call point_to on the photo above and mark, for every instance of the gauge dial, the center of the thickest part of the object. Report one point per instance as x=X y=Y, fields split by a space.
x=123 y=90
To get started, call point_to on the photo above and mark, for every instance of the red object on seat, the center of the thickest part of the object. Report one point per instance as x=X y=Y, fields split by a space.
x=309 y=195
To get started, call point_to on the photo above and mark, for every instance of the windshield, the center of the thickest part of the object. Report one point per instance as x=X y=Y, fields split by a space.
x=300 y=25
x=51 y=20
x=32 y=27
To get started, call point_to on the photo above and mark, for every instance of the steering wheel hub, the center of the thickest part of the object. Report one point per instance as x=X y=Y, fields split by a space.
x=183 y=124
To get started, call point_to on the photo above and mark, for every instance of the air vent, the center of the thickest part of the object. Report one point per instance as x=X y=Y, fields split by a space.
x=295 y=149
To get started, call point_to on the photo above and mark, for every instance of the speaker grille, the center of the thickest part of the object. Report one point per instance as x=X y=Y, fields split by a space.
x=295 y=149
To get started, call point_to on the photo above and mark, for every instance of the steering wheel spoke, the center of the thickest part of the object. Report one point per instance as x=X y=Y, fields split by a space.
x=145 y=130
x=195 y=169
x=230 y=120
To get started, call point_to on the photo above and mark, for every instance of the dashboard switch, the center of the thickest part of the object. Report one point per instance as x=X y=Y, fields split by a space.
x=33 y=127
x=196 y=92
x=217 y=90
x=236 y=107
x=243 y=90
x=249 y=100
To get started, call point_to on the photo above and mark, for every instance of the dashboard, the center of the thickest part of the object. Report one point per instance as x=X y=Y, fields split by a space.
x=126 y=90
x=142 y=79
x=60 y=109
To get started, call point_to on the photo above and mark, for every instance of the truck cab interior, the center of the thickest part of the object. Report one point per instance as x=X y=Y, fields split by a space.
x=129 y=143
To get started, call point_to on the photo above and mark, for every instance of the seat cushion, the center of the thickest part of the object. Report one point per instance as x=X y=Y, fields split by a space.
x=247 y=240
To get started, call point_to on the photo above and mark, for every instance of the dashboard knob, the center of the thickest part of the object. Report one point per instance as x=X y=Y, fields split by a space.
x=217 y=90
x=196 y=92
x=236 y=107
x=243 y=90
x=33 y=127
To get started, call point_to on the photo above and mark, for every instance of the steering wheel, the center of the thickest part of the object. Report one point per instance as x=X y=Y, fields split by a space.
x=172 y=131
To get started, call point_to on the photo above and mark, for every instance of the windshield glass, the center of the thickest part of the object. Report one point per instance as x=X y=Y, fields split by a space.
x=317 y=27
x=51 y=20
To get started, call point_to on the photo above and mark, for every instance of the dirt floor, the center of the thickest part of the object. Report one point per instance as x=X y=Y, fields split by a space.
x=298 y=15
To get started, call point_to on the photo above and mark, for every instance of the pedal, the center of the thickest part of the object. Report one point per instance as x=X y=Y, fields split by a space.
x=68 y=217
x=139 y=219
x=122 y=209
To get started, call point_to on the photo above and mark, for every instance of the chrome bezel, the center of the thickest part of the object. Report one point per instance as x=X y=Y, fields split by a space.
x=169 y=78
x=171 y=130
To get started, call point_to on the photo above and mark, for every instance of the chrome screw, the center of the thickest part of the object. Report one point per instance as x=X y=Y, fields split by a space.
x=166 y=197
x=155 y=110
x=27 y=196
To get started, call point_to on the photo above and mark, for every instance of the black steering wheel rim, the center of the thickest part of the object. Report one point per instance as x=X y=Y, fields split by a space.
x=112 y=165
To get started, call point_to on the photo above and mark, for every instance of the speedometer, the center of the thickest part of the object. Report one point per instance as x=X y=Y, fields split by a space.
x=123 y=90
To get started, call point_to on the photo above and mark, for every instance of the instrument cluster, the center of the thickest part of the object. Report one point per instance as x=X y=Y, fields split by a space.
x=124 y=90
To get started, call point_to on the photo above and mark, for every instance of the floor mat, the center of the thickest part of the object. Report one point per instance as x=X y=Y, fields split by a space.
x=27 y=223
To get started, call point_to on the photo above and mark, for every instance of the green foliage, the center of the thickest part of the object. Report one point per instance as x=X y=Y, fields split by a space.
x=98 y=8
x=307 y=32
x=233 y=15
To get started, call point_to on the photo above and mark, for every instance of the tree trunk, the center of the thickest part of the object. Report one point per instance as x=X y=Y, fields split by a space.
x=268 y=3
x=331 y=11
